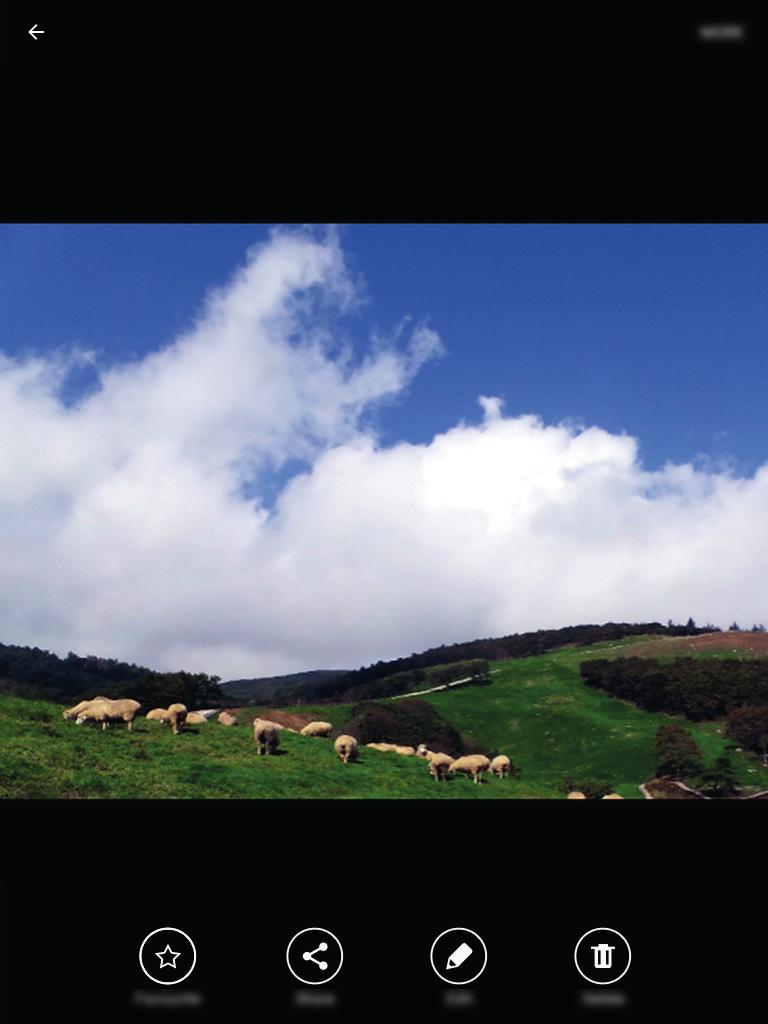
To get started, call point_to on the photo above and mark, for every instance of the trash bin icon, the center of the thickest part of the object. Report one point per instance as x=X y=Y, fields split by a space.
x=603 y=954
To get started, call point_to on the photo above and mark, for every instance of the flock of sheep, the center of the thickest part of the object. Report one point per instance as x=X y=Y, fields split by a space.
x=103 y=710
x=266 y=735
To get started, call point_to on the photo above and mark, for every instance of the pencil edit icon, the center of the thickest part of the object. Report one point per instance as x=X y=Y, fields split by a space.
x=458 y=956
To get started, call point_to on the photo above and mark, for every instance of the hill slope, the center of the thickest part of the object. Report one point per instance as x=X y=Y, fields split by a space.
x=43 y=756
x=536 y=709
x=539 y=712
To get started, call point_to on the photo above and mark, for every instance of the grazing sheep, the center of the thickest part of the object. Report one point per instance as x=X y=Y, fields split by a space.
x=346 y=748
x=472 y=764
x=576 y=795
x=265 y=735
x=158 y=715
x=195 y=718
x=78 y=708
x=226 y=719
x=423 y=750
x=501 y=766
x=439 y=765
x=322 y=729
x=106 y=711
x=392 y=748
x=177 y=716
x=613 y=796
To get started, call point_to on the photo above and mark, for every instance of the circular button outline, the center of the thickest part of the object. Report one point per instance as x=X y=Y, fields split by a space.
x=447 y=981
x=576 y=956
x=168 y=928
x=323 y=981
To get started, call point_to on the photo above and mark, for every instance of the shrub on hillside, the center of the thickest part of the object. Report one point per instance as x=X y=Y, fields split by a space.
x=748 y=727
x=720 y=779
x=677 y=752
x=409 y=722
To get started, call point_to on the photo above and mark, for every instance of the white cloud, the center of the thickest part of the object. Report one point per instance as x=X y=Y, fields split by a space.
x=125 y=532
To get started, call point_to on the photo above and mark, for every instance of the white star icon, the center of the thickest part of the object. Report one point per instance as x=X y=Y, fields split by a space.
x=171 y=957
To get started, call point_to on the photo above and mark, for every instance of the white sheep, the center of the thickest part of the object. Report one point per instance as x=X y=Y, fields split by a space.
x=70 y=713
x=195 y=718
x=265 y=735
x=226 y=719
x=613 y=796
x=501 y=766
x=392 y=748
x=177 y=717
x=106 y=711
x=439 y=765
x=346 y=748
x=158 y=715
x=322 y=729
x=576 y=795
x=423 y=750
x=472 y=764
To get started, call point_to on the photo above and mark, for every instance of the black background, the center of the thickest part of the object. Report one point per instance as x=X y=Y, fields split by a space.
x=149 y=112
x=83 y=883
x=138 y=113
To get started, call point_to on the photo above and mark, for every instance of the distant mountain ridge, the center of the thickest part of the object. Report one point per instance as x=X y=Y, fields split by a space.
x=360 y=684
x=515 y=645
x=40 y=675
x=266 y=688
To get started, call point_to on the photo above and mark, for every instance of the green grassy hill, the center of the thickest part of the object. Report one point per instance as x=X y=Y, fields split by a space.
x=44 y=756
x=537 y=710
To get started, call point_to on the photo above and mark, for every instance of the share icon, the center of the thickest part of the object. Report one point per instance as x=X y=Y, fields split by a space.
x=314 y=956
x=322 y=964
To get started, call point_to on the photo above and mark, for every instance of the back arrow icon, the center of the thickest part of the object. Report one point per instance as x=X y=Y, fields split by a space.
x=35 y=31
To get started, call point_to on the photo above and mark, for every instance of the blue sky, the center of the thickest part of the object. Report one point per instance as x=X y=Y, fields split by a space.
x=308 y=448
x=657 y=330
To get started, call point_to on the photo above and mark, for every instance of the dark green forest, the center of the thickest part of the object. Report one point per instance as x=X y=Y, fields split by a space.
x=699 y=689
x=39 y=675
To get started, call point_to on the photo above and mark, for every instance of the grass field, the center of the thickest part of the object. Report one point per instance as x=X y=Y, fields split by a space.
x=537 y=710
x=44 y=756
x=552 y=725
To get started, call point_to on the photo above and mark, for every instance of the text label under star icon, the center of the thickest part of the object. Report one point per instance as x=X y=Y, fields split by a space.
x=171 y=954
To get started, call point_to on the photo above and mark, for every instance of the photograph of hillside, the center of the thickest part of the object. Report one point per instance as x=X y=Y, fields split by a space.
x=381 y=512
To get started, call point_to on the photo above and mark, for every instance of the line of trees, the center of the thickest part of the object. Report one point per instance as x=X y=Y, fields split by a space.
x=39 y=675
x=516 y=645
x=697 y=688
